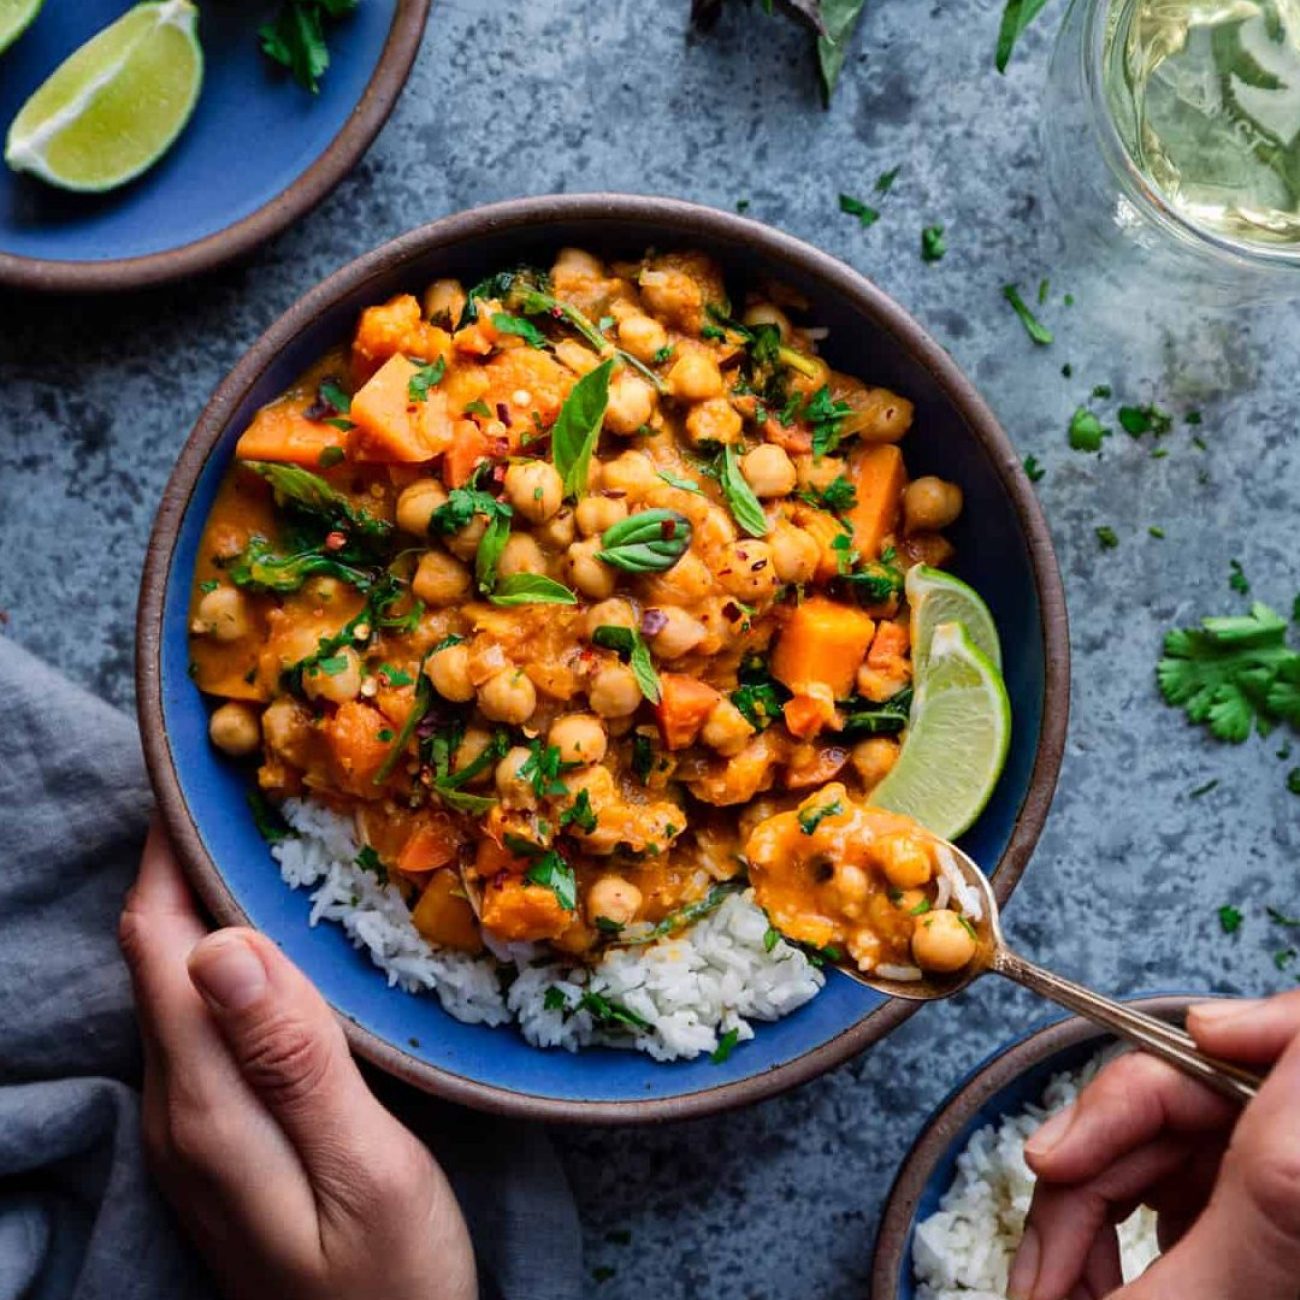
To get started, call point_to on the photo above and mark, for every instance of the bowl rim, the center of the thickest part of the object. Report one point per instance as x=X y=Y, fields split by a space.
x=344 y=151
x=680 y=221
x=997 y=1071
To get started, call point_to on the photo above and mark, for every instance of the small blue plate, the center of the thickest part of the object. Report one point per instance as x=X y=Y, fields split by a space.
x=258 y=152
x=1013 y=1077
x=1005 y=552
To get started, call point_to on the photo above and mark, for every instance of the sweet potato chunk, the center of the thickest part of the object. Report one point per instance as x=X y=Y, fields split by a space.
x=520 y=912
x=392 y=427
x=684 y=705
x=355 y=750
x=443 y=914
x=282 y=433
x=879 y=478
x=395 y=326
x=823 y=642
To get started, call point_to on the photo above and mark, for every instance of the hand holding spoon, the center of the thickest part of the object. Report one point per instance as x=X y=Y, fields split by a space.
x=980 y=909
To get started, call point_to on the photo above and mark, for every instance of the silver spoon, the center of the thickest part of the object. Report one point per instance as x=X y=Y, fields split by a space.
x=992 y=954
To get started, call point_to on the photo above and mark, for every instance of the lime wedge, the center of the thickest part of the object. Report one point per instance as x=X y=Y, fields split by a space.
x=15 y=18
x=113 y=107
x=957 y=740
x=936 y=597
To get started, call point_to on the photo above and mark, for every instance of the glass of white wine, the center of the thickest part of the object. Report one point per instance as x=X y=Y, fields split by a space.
x=1172 y=134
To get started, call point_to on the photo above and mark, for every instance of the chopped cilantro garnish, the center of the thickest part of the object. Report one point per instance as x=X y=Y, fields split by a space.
x=1204 y=789
x=1192 y=417
x=1293 y=780
x=1237 y=579
x=885 y=181
x=1033 y=327
x=579 y=814
x=1086 y=430
x=211 y=585
x=1033 y=470
x=1156 y=531
x=553 y=873
x=296 y=38
x=425 y=378
x=933 y=244
x=542 y=769
x=866 y=215
x=1107 y=537
x=1229 y=919
x=771 y=938
x=726 y=1044
x=1137 y=420
x=369 y=860
x=811 y=818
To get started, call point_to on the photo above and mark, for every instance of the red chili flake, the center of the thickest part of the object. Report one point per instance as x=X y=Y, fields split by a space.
x=557 y=312
x=503 y=414
x=732 y=611
x=335 y=541
x=758 y=566
x=499 y=470
x=653 y=621
x=614 y=494
x=667 y=529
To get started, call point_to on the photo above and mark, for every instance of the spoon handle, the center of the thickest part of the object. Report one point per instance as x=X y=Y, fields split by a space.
x=1148 y=1032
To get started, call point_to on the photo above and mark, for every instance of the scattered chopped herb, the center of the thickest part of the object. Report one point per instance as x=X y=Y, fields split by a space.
x=295 y=39
x=1033 y=327
x=385 y=734
x=310 y=495
x=726 y=1045
x=1044 y=286
x=1204 y=789
x=933 y=244
x=650 y=541
x=553 y=873
x=479 y=408
x=885 y=181
x=643 y=757
x=742 y=205
x=1157 y=532
x=542 y=769
x=760 y=701
x=331 y=456
x=520 y=327
x=270 y=824
x=611 y=1014
x=1068 y=300
x=1229 y=919
x=1159 y=453
x=1293 y=780
x=1281 y=918
x=1284 y=957
x=921 y=908
x=1107 y=537
x=1237 y=579
x=425 y=378
x=867 y=216
x=1033 y=470
x=369 y=860
x=1102 y=392
x=554 y=999
x=838 y=497
x=664 y=354
x=771 y=938
x=862 y=717
x=686 y=484
x=531 y=589
x=1137 y=420
x=811 y=818
x=1200 y=444
x=1086 y=430
x=395 y=676
x=211 y=585
x=579 y=814
x=1193 y=417
x=687 y=915
x=1067 y=370
x=825 y=416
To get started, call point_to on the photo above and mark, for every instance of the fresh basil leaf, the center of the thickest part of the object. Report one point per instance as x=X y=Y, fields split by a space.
x=740 y=496
x=531 y=589
x=311 y=495
x=577 y=430
x=504 y=323
x=686 y=484
x=1017 y=15
x=489 y=551
x=650 y=541
x=629 y=644
x=839 y=18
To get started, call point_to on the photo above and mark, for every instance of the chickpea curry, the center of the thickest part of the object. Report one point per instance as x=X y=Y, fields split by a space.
x=581 y=592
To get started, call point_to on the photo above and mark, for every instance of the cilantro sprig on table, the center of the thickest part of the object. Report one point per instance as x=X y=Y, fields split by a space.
x=296 y=38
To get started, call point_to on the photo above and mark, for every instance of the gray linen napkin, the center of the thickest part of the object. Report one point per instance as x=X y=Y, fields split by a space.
x=79 y=1218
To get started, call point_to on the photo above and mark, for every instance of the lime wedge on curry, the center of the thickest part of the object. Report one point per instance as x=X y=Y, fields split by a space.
x=15 y=18
x=113 y=107
x=936 y=597
x=957 y=739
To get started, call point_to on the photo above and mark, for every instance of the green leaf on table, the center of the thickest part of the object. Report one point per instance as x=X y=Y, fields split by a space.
x=1033 y=326
x=1017 y=15
x=839 y=18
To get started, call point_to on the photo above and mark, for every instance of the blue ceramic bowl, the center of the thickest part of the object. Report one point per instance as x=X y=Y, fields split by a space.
x=1014 y=1077
x=1004 y=551
x=258 y=152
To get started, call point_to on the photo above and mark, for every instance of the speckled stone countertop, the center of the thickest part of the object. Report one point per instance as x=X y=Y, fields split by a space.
x=781 y=1200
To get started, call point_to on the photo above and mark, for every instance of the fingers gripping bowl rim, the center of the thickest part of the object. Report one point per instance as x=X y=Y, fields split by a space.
x=229 y=866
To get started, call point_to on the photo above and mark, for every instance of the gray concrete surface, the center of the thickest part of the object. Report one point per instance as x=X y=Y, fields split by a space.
x=781 y=1201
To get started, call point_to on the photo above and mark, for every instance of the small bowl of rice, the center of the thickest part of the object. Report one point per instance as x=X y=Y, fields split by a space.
x=954 y=1216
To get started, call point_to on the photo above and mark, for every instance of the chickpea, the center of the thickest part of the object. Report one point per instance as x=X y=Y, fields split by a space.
x=610 y=613
x=614 y=692
x=535 y=489
x=614 y=899
x=795 y=554
x=764 y=313
x=642 y=336
x=872 y=758
x=714 y=420
x=440 y=579
x=851 y=886
x=521 y=554
x=448 y=670
x=577 y=356
x=558 y=531
x=747 y=570
x=904 y=860
x=929 y=504
x=679 y=635
x=444 y=300
x=595 y=514
x=941 y=942
x=516 y=791
x=472 y=746
x=633 y=472
x=631 y=403
x=416 y=504
x=579 y=737
x=695 y=377
x=222 y=614
x=287 y=728
x=464 y=544
x=508 y=696
x=591 y=576
x=338 y=686
x=235 y=729
x=726 y=729
x=769 y=471
x=577 y=264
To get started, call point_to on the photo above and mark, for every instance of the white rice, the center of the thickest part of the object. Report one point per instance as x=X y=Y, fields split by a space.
x=964 y=1250
x=690 y=989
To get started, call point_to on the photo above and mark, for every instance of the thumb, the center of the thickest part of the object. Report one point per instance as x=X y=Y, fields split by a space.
x=1247 y=1241
x=290 y=1050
